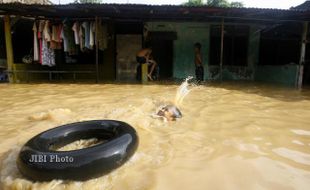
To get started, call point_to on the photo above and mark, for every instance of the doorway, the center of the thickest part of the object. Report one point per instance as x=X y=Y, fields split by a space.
x=162 y=46
x=127 y=46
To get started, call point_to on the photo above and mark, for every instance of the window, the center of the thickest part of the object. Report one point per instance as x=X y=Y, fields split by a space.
x=280 y=44
x=235 y=45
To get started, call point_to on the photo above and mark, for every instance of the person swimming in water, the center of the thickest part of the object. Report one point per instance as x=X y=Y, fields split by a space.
x=169 y=113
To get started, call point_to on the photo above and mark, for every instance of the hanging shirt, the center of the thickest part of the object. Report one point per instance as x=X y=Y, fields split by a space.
x=75 y=29
x=35 y=42
x=87 y=34
x=46 y=31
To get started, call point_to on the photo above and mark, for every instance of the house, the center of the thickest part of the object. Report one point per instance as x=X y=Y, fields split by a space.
x=250 y=44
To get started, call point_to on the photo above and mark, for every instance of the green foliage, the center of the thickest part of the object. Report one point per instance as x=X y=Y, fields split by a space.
x=88 y=1
x=194 y=3
x=236 y=4
x=218 y=3
x=214 y=3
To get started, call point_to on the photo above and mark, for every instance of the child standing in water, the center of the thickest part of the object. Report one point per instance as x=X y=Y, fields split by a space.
x=198 y=62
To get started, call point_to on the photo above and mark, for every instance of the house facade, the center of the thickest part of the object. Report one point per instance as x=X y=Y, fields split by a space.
x=237 y=43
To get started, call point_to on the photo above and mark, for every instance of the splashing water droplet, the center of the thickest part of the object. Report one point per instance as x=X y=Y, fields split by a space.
x=182 y=91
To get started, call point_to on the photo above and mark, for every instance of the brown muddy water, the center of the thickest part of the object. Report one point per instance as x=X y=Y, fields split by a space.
x=231 y=136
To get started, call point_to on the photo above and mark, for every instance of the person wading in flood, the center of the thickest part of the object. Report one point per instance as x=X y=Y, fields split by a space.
x=144 y=56
x=198 y=62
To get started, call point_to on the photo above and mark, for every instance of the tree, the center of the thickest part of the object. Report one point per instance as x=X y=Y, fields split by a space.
x=194 y=3
x=88 y=1
x=236 y=4
x=214 y=3
x=218 y=3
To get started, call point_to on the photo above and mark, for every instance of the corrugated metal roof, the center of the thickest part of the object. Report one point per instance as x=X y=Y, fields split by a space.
x=151 y=12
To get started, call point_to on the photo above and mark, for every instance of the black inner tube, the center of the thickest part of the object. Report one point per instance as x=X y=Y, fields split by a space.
x=39 y=161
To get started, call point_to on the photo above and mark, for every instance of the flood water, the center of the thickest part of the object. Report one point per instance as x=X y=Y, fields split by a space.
x=232 y=135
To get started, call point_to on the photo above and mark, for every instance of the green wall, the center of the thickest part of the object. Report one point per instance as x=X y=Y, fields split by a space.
x=187 y=35
x=285 y=74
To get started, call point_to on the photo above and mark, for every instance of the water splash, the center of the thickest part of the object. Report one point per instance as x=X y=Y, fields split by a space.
x=182 y=91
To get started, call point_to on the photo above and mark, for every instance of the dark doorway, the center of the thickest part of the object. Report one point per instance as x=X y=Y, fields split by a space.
x=162 y=45
x=306 y=73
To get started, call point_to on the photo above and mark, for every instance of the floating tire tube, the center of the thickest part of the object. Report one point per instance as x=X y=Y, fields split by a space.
x=37 y=161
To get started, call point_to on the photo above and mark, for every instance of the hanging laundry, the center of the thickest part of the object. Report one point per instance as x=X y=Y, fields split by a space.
x=48 y=54
x=86 y=26
x=92 y=35
x=65 y=40
x=69 y=36
x=82 y=38
x=47 y=31
x=56 y=39
x=76 y=28
x=35 y=42
x=103 y=36
x=40 y=37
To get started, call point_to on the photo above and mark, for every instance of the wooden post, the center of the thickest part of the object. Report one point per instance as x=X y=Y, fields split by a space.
x=97 y=44
x=144 y=72
x=222 y=49
x=9 y=48
x=302 y=55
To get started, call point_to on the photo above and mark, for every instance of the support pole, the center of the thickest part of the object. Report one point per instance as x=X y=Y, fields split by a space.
x=97 y=44
x=302 y=55
x=144 y=71
x=222 y=49
x=9 y=48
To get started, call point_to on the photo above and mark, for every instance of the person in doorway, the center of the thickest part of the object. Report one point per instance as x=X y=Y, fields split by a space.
x=144 y=57
x=198 y=62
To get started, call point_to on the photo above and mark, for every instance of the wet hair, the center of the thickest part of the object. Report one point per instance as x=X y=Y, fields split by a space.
x=197 y=45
